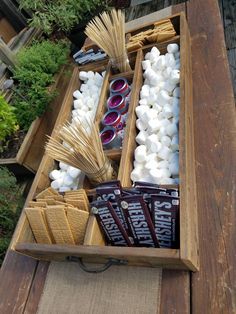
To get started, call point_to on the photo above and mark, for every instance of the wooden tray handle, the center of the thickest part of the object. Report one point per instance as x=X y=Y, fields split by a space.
x=110 y=262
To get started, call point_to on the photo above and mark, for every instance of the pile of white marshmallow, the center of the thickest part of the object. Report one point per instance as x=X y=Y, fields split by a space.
x=157 y=156
x=68 y=178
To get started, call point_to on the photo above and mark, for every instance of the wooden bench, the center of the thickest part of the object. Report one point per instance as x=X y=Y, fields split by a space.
x=211 y=290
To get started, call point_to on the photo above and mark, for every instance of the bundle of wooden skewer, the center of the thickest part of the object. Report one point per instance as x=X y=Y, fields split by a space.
x=79 y=145
x=108 y=32
x=160 y=31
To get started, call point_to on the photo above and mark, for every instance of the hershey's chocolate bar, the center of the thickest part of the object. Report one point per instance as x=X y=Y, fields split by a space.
x=112 y=194
x=143 y=184
x=110 y=224
x=139 y=221
x=165 y=214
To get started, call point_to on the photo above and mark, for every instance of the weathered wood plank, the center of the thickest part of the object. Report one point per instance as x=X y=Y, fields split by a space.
x=213 y=287
x=16 y=277
x=36 y=288
x=175 y=290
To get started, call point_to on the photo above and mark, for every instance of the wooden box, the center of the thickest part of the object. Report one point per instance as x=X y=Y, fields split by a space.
x=30 y=154
x=94 y=249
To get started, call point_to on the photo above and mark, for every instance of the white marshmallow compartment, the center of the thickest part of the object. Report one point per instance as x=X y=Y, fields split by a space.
x=156 y=158
x=86 y=99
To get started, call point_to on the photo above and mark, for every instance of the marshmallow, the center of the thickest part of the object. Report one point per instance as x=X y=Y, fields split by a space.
x=151 y=164
x=55 y=174
x=153 y=125
x=147 y=116
x=160 y=63
x=84 y=87
x=163 y=164
x=170 y=60
x=141 y=125
x=98 y=79
x=155 y=51
x=175 y=76
x=151 y=156
x=90 y=74
x=165 y=141
x=140 y=153
x=68 y=181
x=163 y=97
x=164 y=153
x=141 y=137
x=169 y=86
x=167 y=111
x=83 y=76
x=147 y=56
x=138 y=164
x=64 y=189
x=146 y=64
x=173 y=48
x=166 y=73
x=78 y=103
x=73 y=172
x=171 y=129
x=143 y=102
x=144 y=91
x=77 y=94
x=56 y=184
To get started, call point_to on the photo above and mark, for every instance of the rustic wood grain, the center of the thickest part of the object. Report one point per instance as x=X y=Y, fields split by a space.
x=213 y=287
x=175 y=290
x=36 y=288
x=16 y=277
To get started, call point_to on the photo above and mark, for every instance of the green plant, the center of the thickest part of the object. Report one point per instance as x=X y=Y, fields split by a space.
x=11 y=202
x=8 y=123
x=36 y=66
x=60 y=14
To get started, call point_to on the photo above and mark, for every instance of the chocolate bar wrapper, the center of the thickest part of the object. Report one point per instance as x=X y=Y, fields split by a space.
x=165 y=217
x=112 y=183
x=145 y=184
x=130 y=191
x=139 y=221
x=112 y=194
x=110 y=224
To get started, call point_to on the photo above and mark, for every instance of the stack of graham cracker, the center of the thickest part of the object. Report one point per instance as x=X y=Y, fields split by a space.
x=161 y=31
x=59 y=219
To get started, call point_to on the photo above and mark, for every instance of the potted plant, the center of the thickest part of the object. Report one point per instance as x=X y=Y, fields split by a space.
x=35 y=104
x=68 y=16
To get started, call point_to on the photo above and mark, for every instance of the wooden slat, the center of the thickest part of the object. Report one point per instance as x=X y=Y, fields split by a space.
x=16 y=277
x=175 y=290
x=36 y=288
x=213 y=287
